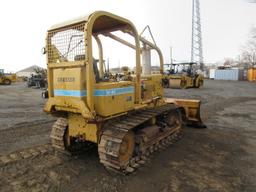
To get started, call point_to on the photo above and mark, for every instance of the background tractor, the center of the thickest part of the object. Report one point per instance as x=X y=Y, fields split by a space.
x=6 y=79
x=128 y=118
x=39 y=80
x=182 y=76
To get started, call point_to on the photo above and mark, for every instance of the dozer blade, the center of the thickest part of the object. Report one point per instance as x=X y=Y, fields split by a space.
x=190 y=109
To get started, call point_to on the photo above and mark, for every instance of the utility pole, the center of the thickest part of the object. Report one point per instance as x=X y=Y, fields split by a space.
x=196 y=44
x=171 y=56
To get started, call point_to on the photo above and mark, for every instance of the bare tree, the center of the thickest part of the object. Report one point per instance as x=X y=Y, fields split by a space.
x=228 y=62
x=41 y=71
x=248 y=56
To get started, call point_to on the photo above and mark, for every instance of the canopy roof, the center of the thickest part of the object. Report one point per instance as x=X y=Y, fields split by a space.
x=104 y=21
x=69 y=22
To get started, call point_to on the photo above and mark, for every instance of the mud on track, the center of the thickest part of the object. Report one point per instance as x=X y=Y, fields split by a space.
x=219 y=158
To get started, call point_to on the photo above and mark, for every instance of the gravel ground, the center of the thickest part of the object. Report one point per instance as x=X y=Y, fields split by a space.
x=23 y=123
x=219 y=158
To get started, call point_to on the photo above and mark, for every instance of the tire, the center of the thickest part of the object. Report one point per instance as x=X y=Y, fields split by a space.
x=165 y=83
x=7 y=82
x=200 y=83
x=183 y=84
x=45 y=94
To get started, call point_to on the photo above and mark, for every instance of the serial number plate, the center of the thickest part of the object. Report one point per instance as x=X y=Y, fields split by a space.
x=66 y=79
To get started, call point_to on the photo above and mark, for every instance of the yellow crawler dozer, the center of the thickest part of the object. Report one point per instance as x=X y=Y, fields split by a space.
x=128 y=118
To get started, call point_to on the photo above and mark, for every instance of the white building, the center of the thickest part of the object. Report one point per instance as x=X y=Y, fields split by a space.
x=27 y=72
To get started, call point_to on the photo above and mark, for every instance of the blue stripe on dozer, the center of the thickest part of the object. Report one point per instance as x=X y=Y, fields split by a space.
x=71 y=93
x=97 y=92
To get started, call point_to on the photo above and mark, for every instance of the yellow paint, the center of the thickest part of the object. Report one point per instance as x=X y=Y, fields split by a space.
x=113 y=104
x=251 y=75
x=79 y=127
x=67 y=104
x=191 y=107
x=100 y=55
x=152 y=86
x=69 y=78
x=11 y=77
x=185 y=81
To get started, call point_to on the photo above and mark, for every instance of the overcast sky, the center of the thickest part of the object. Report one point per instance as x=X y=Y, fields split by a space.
x=225 y=26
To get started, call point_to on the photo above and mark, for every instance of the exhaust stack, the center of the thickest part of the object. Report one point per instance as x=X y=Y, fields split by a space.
x=146 y=60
